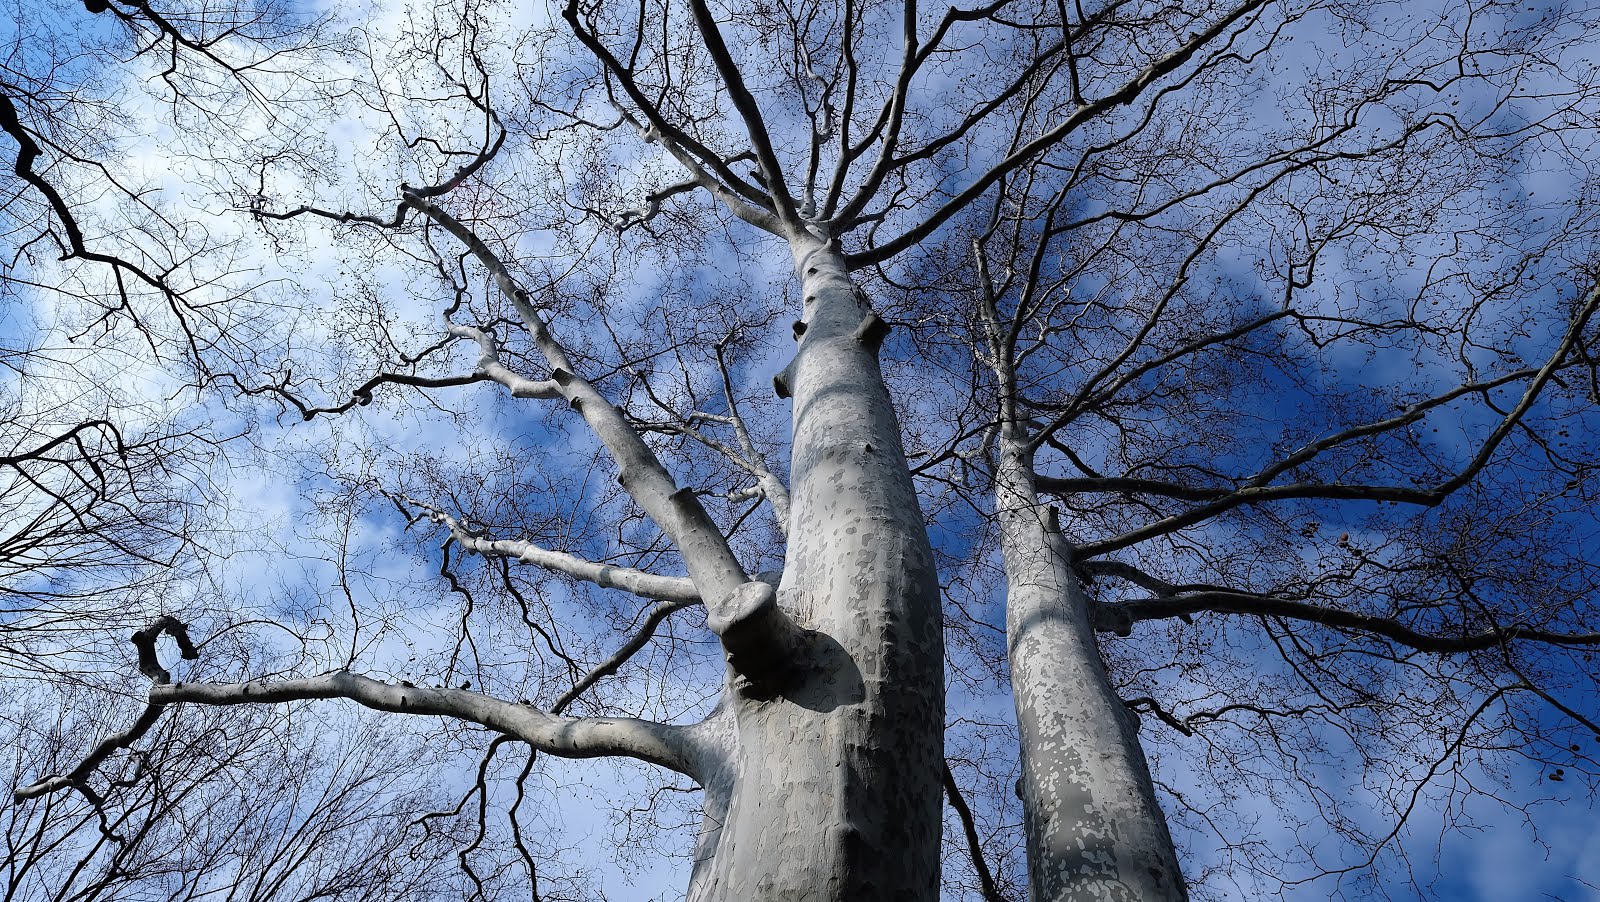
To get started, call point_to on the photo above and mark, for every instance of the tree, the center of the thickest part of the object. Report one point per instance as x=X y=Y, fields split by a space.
x=1158 y=307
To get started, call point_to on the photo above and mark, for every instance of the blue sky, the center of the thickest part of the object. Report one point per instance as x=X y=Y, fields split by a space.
x=288 y=512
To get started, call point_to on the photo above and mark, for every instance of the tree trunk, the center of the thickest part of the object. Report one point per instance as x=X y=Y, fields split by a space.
x=832 y=791
x=1093 y=828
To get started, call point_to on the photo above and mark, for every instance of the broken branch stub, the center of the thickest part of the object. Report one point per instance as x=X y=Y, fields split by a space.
x=762 y=643
x=145 y=641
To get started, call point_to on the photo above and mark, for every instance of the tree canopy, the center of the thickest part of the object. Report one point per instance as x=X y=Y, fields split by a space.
x=656 y=382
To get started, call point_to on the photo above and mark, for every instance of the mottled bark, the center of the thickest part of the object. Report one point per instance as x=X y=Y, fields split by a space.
x=1093 y=828
x=831 y=791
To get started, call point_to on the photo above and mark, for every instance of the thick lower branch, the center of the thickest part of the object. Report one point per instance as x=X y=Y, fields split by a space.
x=564 y=737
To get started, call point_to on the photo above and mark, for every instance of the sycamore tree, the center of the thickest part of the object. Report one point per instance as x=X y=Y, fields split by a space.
x=779 y=392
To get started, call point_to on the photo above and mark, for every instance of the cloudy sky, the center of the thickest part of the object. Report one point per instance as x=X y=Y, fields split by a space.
x=302 y=533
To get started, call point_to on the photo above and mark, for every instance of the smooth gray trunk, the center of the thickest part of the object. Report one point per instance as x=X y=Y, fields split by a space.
x=1094 y=830
x=832 y=788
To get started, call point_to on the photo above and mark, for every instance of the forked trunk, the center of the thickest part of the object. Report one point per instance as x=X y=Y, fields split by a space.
x=1093 y=828
x=832 y=791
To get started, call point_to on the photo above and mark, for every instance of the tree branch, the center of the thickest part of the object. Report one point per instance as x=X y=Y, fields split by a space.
x=749 y=111
x=490 y=367
x=565 y=737
x=761 y=634
x=1256 y=490
x=1221 y=601
x=111 y=744
x=969 y=826
x=145 y=641
x=678 y=589
x=647 y=630
x=713 y=172
x=1130 y=91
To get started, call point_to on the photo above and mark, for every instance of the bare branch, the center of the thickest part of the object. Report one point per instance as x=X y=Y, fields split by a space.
x=762 y=633
x=489 y=366
x=647 y=630
x=749 y=111
x=1130 y=91
x=145 y=641
x=564 y=737
x=677 y=589
x=77 y=777
x=969 y=828
x=1256 y=489
x=1253 y=605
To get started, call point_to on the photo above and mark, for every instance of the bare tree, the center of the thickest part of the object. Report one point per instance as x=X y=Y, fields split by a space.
x=1168 y=296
